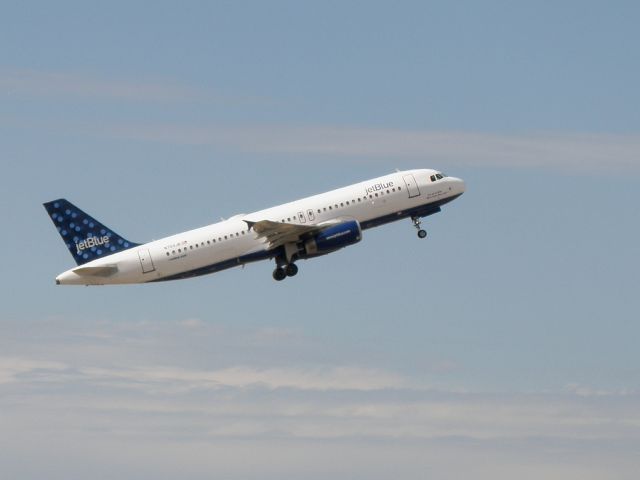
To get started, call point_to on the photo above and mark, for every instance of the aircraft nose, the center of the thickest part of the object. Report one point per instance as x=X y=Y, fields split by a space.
x=460 y=186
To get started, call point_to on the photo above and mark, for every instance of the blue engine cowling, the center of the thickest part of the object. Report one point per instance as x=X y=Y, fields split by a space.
x=334 y=238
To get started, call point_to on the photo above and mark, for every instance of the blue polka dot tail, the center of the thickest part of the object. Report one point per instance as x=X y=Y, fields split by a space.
x=85 y=237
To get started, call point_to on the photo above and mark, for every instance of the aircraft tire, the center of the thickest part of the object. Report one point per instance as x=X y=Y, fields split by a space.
x=279 y=274
x=291 y=270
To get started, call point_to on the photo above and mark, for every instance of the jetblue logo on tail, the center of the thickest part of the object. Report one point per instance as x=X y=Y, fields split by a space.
x=86 y=238
x=92 y=242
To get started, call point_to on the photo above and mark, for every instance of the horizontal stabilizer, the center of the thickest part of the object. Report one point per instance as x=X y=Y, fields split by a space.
x=103 y=271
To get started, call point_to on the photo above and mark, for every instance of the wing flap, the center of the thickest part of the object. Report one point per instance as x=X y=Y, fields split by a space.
x=277 y=233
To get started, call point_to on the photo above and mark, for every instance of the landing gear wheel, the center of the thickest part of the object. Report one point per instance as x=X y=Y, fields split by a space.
x=291 y=270
x=279 y=274
x=416 y=223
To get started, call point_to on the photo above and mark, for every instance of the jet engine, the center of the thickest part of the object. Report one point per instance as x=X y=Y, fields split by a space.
x=333 y=238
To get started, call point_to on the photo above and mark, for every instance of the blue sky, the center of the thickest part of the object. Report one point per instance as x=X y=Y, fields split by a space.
x=504 y=345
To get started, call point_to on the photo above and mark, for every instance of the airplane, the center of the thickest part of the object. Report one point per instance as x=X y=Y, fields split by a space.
x=299 y=230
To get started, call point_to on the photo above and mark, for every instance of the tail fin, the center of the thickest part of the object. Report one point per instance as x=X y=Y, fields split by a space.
x=85 y=237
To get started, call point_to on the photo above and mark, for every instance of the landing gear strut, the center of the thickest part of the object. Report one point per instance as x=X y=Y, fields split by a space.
x=416 y=223
x=284 y=263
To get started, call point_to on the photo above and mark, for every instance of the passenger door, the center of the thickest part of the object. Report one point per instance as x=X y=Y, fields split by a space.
x=412 y=185
x=145 y=260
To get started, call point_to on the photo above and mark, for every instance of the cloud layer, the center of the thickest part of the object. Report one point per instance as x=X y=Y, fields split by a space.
x=76 y=85
x=567 y=151
x=89 y=387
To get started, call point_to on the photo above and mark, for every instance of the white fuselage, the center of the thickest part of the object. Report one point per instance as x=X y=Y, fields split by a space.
x=231 y=242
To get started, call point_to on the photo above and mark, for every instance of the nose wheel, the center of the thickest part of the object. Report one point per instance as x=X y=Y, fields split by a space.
x=416 y=223
x=282 y=272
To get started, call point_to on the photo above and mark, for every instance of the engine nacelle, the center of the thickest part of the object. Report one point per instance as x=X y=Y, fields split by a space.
x=333 y=238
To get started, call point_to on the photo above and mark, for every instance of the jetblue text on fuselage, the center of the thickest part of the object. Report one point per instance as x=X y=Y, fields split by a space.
x=379 y=186
x=92 y=242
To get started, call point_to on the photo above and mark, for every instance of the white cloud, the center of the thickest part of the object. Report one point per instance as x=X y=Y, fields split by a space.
x=155 y=379
x=82 y=394
x=74 y=84
x=11 y=368
x=317 y=402
x=588 y=391
x=575 y=151
x=191 y=323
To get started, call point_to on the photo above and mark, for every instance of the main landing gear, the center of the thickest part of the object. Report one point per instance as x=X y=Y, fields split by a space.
x=416 y=223
x=284 y=263
x=283 y=271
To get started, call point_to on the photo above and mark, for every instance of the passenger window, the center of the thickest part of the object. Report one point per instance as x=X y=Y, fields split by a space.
x=167 y=254
x=342 y=204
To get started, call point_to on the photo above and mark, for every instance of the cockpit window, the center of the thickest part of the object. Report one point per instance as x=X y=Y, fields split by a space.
x=433 y=178
x=439 y=176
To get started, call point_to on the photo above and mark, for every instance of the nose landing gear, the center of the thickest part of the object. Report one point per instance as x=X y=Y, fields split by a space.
x=416 y=223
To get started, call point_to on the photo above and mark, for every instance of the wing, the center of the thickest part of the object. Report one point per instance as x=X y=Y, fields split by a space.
x=278 y=233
